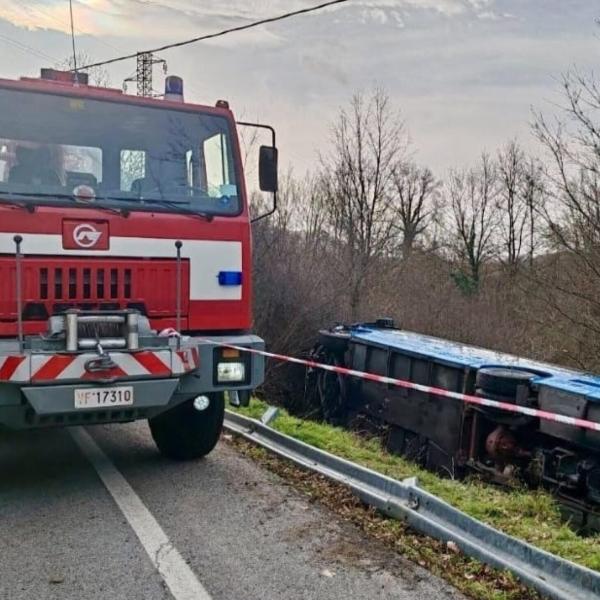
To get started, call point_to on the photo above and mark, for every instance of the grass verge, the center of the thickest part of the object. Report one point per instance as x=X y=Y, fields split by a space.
x=529 y=515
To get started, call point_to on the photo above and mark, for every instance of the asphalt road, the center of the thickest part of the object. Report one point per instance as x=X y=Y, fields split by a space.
x=220 y=528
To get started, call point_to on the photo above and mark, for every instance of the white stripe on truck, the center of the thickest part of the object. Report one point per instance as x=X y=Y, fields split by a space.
x=206 y=257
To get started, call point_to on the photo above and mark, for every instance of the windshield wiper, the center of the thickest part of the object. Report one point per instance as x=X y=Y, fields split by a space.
x=174 y=206
x=83 y=204
x=178 y=208
x=136 y=203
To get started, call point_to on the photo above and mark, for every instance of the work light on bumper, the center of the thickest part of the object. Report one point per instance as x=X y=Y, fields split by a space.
x=201 y=403
x=231 y=372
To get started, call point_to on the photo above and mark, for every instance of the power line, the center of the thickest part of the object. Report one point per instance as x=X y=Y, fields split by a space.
x=218 y=33
x=26 y=48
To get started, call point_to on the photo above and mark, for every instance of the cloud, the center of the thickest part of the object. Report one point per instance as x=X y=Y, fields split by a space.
x=464 y=73
x=152 y=19
x=445 y=7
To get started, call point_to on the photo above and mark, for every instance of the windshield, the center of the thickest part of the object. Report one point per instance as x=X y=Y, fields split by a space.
x=61 y=147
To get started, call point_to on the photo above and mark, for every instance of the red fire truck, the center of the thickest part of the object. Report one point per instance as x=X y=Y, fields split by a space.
x=125 y=260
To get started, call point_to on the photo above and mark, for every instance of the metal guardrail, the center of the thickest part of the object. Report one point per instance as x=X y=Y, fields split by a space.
x=552 y=576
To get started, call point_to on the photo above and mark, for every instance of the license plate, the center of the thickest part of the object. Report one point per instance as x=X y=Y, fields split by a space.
x=104 y=397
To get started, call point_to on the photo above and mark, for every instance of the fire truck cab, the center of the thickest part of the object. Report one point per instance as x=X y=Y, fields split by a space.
x=125 y=260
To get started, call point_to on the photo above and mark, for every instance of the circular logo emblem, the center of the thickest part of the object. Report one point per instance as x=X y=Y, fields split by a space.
x=86 y=235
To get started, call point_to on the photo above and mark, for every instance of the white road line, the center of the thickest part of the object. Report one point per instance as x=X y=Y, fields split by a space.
x=180 y=579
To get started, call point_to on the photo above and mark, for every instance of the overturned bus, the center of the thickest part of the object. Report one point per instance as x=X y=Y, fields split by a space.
x=450 y=436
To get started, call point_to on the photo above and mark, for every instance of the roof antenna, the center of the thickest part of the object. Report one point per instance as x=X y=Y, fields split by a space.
x=73 y=40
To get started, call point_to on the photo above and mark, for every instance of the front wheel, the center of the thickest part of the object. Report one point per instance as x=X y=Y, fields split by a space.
x=185 y=433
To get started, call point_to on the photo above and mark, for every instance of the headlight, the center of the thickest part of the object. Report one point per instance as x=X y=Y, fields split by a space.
x=231 y=372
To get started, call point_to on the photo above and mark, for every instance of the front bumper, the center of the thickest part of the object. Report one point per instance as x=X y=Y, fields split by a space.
x=38 y=396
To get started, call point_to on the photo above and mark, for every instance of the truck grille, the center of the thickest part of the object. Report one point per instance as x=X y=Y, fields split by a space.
x=84 y=283
x=52 y=285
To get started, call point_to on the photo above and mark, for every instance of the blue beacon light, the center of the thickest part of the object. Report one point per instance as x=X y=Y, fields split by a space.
x=174 y=88
x=230 y=278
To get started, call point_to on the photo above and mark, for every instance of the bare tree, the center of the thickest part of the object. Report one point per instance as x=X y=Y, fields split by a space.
x=368 y=141
x=511 y=173
x=572 y=290
x=98 y=75
x=574 y=179
x=519 y=200
x=414 y=203
x=532 y=190
x=249 y=143
x=474 y=217
x=297 y=285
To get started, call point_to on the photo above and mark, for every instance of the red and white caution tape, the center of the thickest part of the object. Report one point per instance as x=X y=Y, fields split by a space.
x=468 y=398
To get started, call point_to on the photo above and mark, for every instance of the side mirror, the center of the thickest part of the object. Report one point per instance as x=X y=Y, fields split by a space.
x=267 y=169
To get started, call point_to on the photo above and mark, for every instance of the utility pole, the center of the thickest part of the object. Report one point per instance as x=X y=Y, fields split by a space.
x=144 y=71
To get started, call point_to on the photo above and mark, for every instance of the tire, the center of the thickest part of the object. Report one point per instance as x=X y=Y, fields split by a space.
x=502 y=381
x=184 y=433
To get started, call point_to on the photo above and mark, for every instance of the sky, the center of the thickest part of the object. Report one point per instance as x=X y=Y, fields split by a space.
x=465 y=74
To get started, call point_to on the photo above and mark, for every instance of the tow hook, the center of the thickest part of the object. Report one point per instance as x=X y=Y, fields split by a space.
x=101 y=364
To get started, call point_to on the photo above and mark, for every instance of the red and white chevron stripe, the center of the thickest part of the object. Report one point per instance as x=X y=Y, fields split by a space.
x=14 y=368
x=44 y=368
